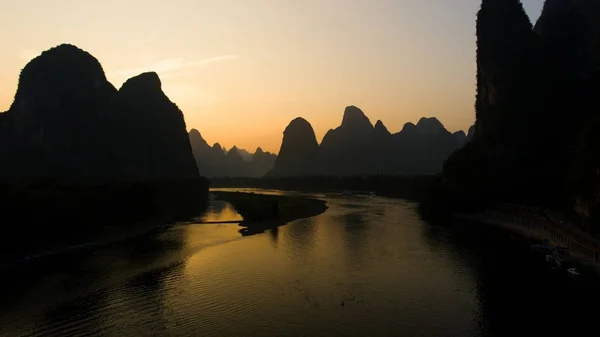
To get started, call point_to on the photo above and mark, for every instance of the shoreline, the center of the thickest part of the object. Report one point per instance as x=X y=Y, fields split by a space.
x=106 y=238
x=531 y=233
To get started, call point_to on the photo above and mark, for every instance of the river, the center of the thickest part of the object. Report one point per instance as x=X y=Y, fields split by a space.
x=368 y=266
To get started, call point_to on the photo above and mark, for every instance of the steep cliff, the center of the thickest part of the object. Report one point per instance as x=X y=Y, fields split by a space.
x=351 y=148
x=299 y=150
x=55 y=124
x=158 y=147
x=537 y=111
x=509 y=127
x=79 y=153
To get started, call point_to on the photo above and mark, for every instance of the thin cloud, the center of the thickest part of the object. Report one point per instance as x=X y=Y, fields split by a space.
x=169 y=66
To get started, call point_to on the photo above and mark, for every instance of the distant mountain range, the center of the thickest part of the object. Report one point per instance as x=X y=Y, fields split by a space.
x=357 y=147
x=216 y=161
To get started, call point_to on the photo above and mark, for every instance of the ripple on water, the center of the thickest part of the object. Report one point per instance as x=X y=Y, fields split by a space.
x=366 y=267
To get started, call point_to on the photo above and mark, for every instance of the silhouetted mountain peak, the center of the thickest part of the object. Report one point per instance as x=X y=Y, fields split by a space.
x=429 y=125
x=408 y=127
x=298 y=150
x=553 y=7
x=146 y=82
x=195 y=133
x=353 y=116
x=217 y=146
x=259 y=151
x=198 y=143
x=460 y=136
x=70 y=121
x=499 y=3
x=62 y=71
x=380 y=128
x=298 y=125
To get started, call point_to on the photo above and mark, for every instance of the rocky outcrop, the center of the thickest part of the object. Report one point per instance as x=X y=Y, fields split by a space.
x=350 y=149
x=537 y=110
x=508 y=109
x=422 y=148
x=158 y=148
x=56 y=122
x=75 y=148
x=68 y=122
x=299 y=150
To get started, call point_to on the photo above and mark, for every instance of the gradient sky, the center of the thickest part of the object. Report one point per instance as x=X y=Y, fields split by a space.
x=241 y=70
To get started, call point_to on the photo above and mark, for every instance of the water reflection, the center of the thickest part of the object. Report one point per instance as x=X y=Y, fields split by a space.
x=366 y=267
x=300 y=239
x=516 y=292
x=87 y=293
x=220 y=211
x=274 y=235
x=355 y=231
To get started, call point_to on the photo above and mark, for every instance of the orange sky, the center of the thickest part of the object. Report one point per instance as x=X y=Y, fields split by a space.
x=241 y=70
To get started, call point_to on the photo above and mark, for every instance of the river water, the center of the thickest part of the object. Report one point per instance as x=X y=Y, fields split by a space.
x=369 y=266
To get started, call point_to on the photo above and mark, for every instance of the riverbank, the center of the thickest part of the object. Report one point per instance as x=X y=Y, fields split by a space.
x=526 y=232
x=105 y=236
x=50 y=218
x=261 y=212
x=582 y=253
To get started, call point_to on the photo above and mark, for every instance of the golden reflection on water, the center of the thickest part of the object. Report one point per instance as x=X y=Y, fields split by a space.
x=364 y=267
x=368 y=266
x=369 y=260
x=220 y=211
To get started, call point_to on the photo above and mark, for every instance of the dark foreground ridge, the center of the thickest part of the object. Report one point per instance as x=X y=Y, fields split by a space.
x=261 y=211
x=79 y=156
x=533 y=160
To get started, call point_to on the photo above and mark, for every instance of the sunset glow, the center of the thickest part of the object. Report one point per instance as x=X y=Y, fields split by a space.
x=242 y=70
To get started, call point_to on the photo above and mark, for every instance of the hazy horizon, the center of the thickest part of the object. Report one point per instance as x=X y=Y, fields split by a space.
x=241 y=71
